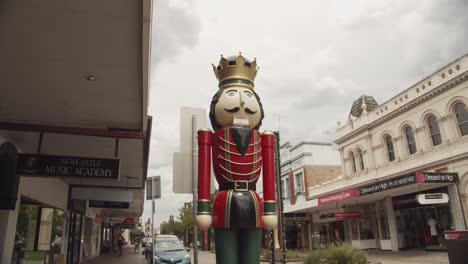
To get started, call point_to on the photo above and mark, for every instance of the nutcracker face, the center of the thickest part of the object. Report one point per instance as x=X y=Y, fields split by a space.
x=236 y=106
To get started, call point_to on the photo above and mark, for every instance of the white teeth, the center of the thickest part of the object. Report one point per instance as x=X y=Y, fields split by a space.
x=241 y=121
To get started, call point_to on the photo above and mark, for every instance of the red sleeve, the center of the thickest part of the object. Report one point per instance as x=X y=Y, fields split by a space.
x=204 y=164
x=268 y=155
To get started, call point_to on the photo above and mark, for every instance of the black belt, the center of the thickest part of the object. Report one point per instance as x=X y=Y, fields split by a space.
x=239 y=186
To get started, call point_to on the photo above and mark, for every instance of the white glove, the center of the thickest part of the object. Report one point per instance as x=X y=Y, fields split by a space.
x=270 y=221
x=204 y=221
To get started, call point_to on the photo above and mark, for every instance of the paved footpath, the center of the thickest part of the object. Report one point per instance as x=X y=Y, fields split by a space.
x=206 y=257
x=408 y=256
x=129 y=257
x=375 y=256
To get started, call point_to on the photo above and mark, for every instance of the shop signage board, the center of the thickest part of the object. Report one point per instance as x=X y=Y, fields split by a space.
x=109 y=204
x=338 y=196
x=432 y=198
x=437 y=177
x=67 y=166
x=388 y=184
x=347 y=215
x=153 y=188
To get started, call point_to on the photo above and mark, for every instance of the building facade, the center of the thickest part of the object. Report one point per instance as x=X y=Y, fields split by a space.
x=303 y=166
x=404 y=168
x=74 y=127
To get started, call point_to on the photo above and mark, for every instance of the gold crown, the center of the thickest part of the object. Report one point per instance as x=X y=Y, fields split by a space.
x=236 y=71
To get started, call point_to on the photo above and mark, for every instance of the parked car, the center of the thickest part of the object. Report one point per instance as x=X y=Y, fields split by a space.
x=169 y=249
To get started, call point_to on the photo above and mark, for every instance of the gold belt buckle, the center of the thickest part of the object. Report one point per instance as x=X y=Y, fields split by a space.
x=238 y=189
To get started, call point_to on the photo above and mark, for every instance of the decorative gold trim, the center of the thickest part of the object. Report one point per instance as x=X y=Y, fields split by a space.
x=227 y=214
x=254 y=197
x=203 y=213
x=238 y=154
x=269 y=213
x=233 y=144
x=205 y=129
x=268 y=132
x=204 y=200
x=240 y=174
x=239 y=163
x=269 y=201
x=226 y=178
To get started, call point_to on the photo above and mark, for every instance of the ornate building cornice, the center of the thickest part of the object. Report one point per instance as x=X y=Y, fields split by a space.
x=405 y=108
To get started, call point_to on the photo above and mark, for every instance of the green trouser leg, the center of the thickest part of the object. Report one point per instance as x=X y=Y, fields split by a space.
x=241 y=246
x=249 y=246
x=226 y=246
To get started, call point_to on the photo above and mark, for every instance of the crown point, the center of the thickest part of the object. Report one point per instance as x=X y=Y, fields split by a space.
x=240 y=53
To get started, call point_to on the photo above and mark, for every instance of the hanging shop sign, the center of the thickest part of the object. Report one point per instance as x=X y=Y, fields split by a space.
x=338 y=196
x=432 y=198
x=109 y=204
x=327 y=216
x=388 y=184
x=347 y=215
x=99 y=218
x=67 y=167
x=437 y=177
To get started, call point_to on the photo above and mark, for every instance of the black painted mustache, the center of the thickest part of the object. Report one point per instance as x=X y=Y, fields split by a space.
x=249 y=111
x=236 y=109
x=232 y=110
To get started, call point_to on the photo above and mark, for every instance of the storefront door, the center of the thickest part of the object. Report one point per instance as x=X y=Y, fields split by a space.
x=421 y=226
x=74 y=238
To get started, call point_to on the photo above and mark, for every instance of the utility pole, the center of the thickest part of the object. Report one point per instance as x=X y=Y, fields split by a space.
x=279 y=199
x=195 y=187
x=152 y=226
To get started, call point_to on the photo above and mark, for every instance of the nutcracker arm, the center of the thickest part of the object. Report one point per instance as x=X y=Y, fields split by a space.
x=204 y=171
x=268 y=155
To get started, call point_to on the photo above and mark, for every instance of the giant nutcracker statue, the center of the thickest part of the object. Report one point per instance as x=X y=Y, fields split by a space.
x=239 y=154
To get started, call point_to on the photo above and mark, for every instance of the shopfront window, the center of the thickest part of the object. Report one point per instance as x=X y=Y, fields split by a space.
x=366 y=222
x=354 y=229
x=383 y=220
x=38 y=234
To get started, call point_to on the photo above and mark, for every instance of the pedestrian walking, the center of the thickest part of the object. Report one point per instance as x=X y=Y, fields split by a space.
x=120 y=243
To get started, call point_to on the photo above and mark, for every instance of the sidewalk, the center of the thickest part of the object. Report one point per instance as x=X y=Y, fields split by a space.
x=129 y=257
x=408 y=256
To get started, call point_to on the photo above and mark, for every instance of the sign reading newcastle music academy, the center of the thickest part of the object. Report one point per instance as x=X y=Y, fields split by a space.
x=67 y=167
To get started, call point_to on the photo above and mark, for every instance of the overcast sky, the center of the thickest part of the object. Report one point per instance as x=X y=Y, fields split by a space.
x=315 y=58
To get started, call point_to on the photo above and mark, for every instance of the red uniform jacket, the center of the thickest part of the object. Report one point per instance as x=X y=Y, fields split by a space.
x=231 y=165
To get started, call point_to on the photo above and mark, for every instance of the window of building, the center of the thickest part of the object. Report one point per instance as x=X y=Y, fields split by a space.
x=390 y=149
x=353 y=161
x=434 y=130
x=361 y=159
x=299 y=182
x=285 y=187
x=297 y=163
x=410 y=141
x=462 y=118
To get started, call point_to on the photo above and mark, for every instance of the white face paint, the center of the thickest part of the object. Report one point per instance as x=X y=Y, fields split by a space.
x=237 y=106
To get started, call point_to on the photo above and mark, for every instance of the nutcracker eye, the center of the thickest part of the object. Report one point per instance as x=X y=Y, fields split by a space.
x=248 y=94
x=231 y=93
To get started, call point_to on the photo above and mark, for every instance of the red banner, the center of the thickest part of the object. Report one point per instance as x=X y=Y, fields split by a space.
x=338 y=196
x=347 y=215
x=99 y=218
x=128 y=221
